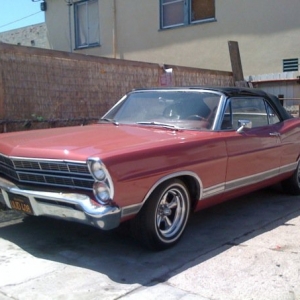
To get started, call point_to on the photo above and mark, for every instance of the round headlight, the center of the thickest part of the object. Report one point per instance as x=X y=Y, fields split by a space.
x=97 y=171
x=101 y=192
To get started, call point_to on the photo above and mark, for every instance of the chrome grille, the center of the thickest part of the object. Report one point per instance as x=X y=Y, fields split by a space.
x=8 y=172
x=79 y=169
x=47 y=172
x=24 y=164
x=54 y=167
x=6 y=161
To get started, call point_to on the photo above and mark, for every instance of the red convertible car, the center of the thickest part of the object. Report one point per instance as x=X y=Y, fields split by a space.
x=152 y=159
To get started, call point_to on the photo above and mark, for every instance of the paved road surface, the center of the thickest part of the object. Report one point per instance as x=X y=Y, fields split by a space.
x=244 y=249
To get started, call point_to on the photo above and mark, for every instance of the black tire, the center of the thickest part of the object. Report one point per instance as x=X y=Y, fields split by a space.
x=162 y=220
x=292 y=184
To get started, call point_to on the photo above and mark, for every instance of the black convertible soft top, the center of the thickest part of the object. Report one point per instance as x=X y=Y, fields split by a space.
x=273 y=100
x=285 y=115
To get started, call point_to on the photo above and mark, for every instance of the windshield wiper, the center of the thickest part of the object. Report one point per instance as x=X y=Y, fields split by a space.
x=106 y=120
x=164 y=125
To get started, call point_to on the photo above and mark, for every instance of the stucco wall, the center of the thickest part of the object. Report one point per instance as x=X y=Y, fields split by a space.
x=267 y=32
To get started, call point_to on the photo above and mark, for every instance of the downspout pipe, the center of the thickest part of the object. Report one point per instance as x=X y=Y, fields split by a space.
x=115 y=29
x=70 y=3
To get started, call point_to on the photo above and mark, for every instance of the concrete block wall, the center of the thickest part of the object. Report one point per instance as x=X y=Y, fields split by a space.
x=34 y=36
x=58 y=88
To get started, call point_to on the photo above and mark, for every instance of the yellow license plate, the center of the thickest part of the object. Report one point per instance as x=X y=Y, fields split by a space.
x=20 y=203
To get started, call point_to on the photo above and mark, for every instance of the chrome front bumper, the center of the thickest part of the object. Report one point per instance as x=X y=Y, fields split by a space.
x=66 y=206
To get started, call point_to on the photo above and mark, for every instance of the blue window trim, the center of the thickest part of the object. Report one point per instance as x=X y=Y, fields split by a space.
x=187 y=16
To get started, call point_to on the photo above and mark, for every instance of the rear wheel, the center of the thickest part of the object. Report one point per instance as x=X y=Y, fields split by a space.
x=162 y=220
x=292 y=184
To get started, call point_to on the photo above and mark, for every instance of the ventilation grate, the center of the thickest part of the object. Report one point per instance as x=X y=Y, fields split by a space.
x=291 y=64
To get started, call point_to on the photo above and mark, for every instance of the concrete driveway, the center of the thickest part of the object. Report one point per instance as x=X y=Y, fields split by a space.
x=244 y=249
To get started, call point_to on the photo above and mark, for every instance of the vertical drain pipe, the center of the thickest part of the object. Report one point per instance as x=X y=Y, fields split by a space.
x=70 y=3
x=115 y=29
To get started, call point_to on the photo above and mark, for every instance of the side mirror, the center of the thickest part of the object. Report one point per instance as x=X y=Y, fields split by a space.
x=243 y=124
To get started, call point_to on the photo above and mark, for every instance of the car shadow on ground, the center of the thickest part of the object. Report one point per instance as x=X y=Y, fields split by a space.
x=115 y=254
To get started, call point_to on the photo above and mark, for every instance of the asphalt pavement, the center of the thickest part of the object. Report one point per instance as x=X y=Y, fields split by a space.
x=244 y=249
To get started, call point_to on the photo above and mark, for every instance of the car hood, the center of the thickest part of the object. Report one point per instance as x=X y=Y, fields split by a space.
x=81 y=142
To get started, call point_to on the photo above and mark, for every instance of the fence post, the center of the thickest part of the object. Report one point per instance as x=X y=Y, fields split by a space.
x=281 y=99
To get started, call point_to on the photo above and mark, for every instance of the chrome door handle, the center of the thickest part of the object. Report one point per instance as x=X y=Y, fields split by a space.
x=274 y=134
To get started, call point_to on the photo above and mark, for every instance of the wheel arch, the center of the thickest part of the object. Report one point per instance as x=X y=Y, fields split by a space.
x=165 y=210
x=190 y=179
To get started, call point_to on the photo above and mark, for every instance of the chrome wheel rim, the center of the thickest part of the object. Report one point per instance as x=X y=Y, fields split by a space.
x=171 y=213
x=298 y=175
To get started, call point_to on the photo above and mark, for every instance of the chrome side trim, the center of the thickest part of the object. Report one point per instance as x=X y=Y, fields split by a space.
x=248 y=180
x=131 y=210
x=288 y=168
x=213 y=190
x=252 y=179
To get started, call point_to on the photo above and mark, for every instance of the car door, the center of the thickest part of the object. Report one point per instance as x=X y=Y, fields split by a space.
x=254 y=150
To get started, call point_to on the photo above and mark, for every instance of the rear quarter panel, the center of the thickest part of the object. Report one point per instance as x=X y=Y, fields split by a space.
x=290 y=140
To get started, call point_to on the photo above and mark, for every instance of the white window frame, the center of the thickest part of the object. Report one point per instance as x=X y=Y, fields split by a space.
x=87 y=32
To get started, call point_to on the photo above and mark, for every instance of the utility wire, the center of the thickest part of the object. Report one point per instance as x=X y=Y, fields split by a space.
x=20 y=19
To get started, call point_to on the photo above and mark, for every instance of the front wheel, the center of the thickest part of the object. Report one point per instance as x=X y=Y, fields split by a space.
x=292 y=184
x=162 y=220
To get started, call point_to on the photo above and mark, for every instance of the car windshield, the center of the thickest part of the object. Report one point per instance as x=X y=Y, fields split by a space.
x=183 y=109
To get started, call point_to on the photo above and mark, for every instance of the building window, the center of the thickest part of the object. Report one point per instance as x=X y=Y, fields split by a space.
x=86 y=24
x=291 y=64
x=186 y=12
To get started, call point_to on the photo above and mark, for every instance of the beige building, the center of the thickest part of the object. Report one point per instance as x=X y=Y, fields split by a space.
x=33 y=36
x=181 y=32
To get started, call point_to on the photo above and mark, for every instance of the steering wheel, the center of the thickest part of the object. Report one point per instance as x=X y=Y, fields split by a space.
x=195 y=117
